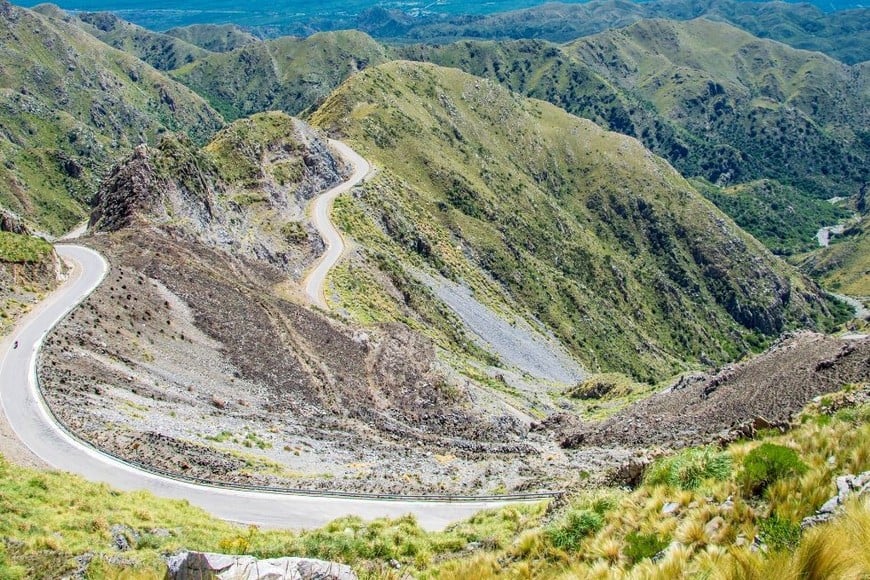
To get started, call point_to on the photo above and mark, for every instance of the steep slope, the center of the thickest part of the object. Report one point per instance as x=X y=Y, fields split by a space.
x=769 y=111
x=161 y=51
x=244 y=192
x=69 y=105
x=545 y=214
x=290 y=74
x=714 y=101
x=29 y=268
x=197 y=353
x=214 y=37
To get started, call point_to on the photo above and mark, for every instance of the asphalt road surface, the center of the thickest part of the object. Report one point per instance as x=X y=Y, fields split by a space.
x=321 y=207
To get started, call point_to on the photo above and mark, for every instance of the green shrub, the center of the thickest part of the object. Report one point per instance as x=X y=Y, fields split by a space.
x=689 y=468
x=577 y=525
x=639 y=546
x=780 y=534
x=768 y=463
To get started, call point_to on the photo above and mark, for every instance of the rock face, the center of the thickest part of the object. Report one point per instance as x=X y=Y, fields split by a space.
x=244 y=193
x=202 y=565
x=9 y=222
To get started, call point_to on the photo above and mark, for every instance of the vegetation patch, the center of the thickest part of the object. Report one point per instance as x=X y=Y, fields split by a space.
x=18 y=248
x=688 y=469
x=767 y=464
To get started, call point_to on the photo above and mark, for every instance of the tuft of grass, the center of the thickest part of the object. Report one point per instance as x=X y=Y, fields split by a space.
x=780 y=533
x=689 y=468
x=767 y=464
x=640 y=546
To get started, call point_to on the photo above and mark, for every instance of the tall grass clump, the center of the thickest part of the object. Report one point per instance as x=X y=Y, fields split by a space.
x=689 y=468
x=767 y=464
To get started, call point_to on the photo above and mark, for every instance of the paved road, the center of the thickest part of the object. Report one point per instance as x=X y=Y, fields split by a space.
x=321 y=207
x=33 y=424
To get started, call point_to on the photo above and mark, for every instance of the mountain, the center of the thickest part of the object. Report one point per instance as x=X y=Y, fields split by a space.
x=289 y=74
x=202 y=310
x=69 y=105
x=545 y=214
x=842 y=34
x=759 y=110
x=245 y=192
x=159 y=50
x=214 y=37
x=766 y=109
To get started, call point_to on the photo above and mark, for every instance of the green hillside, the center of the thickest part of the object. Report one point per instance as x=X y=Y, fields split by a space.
x=70 y=106
x=843 y=34
x=214 y=37
x=161 y=51
x=768 y=110
x=546 y=213
x=288 y=74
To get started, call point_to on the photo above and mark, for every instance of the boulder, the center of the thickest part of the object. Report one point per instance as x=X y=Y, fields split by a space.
x=847 y=486
x=204 y=565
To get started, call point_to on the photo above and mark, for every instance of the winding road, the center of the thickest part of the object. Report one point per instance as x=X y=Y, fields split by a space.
x=316 y=278
x=35 y=426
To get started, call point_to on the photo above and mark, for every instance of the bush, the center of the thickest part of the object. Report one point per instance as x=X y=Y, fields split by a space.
x=577 y=525
x=767 y=464
x=639 y=546
x=689 y=468
x=780 y=534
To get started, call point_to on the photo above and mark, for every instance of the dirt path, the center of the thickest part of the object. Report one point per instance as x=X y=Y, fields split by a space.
x=320 y=209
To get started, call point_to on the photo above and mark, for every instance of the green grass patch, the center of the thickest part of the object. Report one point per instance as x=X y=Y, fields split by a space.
x=690 y=468
x=20 y=249
x=639 y=546
x=767 y=464
x=780 y=534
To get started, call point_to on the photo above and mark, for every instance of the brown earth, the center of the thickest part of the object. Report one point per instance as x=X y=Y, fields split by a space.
x=767 y=390
x=184 y=361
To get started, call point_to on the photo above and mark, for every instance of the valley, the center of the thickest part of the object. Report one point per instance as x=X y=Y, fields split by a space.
x=597 y=272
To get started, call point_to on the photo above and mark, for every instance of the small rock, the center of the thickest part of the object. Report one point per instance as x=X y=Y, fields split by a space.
x=758 y=546
x=197 y=565
x=122 y=536
x=829 y=506
x=844 y=486
x=670 y=508
x=714 y=526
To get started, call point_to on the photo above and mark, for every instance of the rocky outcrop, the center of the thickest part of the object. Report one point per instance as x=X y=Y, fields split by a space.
x=9 y=222
x=738 y=400
x=244 y=193
x=202 y=565
x=848 y=486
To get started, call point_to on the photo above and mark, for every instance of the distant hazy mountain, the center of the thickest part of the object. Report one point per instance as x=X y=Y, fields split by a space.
x=844 y=34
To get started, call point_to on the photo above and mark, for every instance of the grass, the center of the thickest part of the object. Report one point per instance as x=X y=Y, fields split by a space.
x=17 y=248
x=767 y=464
x=690 y=468
x=547 y=217
x=49 y=518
